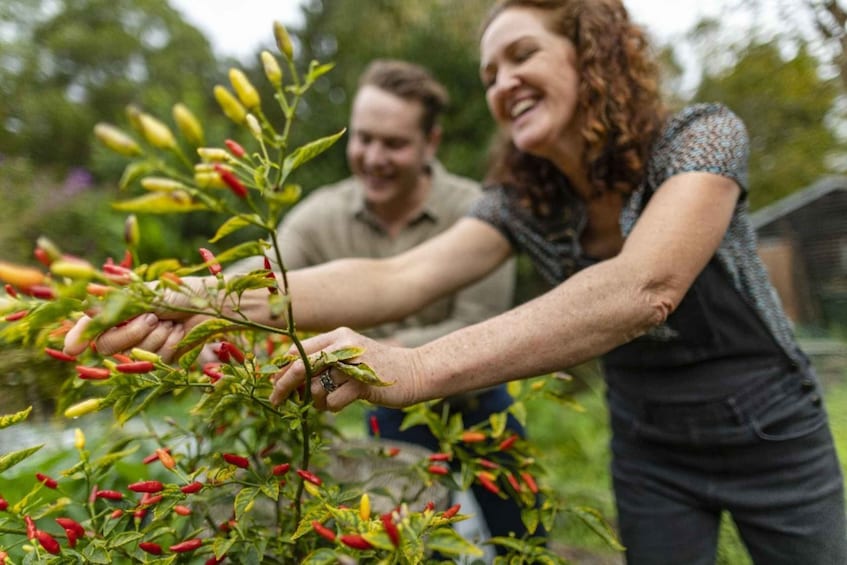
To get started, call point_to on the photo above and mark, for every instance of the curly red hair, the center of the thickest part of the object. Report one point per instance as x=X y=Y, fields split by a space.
x=619 y=100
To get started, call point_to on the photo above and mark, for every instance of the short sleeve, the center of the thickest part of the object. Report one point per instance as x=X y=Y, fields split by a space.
x=702 y=138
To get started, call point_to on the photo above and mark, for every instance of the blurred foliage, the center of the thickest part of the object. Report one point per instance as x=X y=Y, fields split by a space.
x=784 y=102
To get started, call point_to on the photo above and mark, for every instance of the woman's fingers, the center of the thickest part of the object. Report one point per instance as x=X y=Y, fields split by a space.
x=74 y=342
x=127 y=336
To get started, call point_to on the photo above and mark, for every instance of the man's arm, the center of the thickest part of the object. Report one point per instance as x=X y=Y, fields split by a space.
x=485 y=299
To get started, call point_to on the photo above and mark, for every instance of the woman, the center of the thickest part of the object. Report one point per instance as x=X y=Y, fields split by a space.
x=640 y=219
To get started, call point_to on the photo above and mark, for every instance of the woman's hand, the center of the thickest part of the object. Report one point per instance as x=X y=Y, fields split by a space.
x=158 y=332
x=396 y=365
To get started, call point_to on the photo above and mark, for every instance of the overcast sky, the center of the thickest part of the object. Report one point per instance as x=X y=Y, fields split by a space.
x=237 y=27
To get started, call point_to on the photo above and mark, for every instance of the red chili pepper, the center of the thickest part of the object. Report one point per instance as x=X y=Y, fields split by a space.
x=126 y=262
x=10 y=290
x=59 y=355
x=231 y=181
x=71 y=524
x=488 y=464
x=72 y=537
x=117 y=514
x=280 y=469
x=93 y=373
x=508 y=442
x=374 y=422
x=150 y=499
x=41 y=291
x=209 y=257
x=514 y=482
x=187 y=545
x=356 y=541
x=530 y=482
x=390 y=528
x=4 y=504
x=323 y=531
x=310 y=477
x=121 y=358
x=488 y=483
x=191 y=488
x=146 y=486
x=182 y=510
x=215 y=560
x=30 y=527
x=429 y=506
x=452 y=511
x=48 y=542
x=135 y=367
x=392 y=451
x=3 y=557
x=233 y=350
x=236 y=460
x=440 y=457
x=139 y=514
x=235 y=148
x=49 y=482
x=109 y=494
x=211 y=371
x=165 y=457
x=438 y=469
x=150 y=547
x=42 y=256
x=15 y=316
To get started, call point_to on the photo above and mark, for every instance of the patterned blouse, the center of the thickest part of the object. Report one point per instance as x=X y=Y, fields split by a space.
x=702 y=137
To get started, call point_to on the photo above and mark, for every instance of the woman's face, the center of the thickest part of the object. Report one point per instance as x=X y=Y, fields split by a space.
x=531 y=83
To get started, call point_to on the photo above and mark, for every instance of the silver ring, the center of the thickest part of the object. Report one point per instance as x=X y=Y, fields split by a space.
x=327 y=382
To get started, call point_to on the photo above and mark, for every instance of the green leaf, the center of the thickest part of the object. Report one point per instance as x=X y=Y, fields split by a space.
x=155 y=270
x=322 y=556
x=176 y=202
x=11 y=459
x=238 y=284
x=244 y=501
x=135 y=171
x=204 y=331
x=234 y=224
x=12 y=419
x=96 y=552
x=242 y=251
x=316 y=71
x=306 y=153
x=449 y=542
x=124 y=538
x=595 y=521
x=103 y=463
x=361 y=372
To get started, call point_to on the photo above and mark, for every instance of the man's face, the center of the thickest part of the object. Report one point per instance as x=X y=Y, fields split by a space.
x=387 y=149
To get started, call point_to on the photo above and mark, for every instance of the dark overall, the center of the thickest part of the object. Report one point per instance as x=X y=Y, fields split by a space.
x=709 y=414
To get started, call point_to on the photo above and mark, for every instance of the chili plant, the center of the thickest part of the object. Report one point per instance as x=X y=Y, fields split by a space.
x=228 y=475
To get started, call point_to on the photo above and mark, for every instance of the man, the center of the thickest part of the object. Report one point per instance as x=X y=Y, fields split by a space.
x=399 y=196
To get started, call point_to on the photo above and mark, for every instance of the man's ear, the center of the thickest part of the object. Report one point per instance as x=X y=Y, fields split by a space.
x=433 y=142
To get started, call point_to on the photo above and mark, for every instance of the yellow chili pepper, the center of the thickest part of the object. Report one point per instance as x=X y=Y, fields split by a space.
x=188 y=124
x=283 y=40
x=232 y=108
x=83 y=408
x=272 y=70
x=156 y=132
x=247 y=94
x=116 y=140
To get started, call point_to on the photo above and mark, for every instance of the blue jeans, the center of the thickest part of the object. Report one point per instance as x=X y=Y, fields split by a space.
x=765 y=455
x=501 y=516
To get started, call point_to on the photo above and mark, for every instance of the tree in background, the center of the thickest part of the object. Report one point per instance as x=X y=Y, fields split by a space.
x=784 y=101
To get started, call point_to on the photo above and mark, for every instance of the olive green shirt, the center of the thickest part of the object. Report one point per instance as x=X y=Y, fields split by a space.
x=333 y=222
